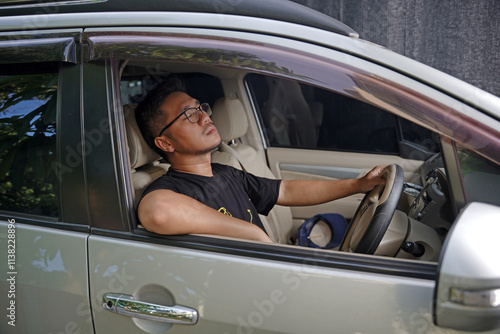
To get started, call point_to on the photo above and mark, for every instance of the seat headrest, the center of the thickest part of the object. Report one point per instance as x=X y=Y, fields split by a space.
x=230 y=118
x=139 y=151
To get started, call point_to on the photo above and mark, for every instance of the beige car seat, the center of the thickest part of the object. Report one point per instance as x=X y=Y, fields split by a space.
x=231 y=121
x=145 y=165
x=289 y=116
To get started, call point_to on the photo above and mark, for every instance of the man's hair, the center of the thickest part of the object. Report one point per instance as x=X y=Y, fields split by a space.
x=148 y=115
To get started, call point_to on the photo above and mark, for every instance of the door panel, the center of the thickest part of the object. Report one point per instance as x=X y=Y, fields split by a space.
x=236 y=294
x=47 y=288
x=296 y=164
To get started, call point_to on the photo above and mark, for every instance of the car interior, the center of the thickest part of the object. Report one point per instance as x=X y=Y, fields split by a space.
x=279 y=128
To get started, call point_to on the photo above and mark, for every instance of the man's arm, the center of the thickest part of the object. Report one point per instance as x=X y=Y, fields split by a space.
x=167 y=212
x=309 y=192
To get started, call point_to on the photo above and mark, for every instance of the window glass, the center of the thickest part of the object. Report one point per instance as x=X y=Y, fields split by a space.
x=481 y=177
x=28 y=140
x=417 y=142
x=302 y=116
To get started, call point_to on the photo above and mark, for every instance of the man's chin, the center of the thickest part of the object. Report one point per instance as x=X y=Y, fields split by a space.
x=215 y=148
x=211 y=149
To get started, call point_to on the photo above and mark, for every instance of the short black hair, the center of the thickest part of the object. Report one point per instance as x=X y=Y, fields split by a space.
x=150 y=119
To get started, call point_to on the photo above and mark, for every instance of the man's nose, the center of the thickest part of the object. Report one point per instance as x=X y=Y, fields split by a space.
x=203 y=117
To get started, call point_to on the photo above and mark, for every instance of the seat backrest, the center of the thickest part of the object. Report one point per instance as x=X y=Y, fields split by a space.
x=288 y=114
x=230 y=119
x=145 y=166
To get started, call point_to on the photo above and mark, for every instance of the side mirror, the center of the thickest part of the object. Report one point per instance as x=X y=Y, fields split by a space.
x=467 y=294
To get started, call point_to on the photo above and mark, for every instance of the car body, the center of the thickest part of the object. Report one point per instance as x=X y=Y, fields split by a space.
x=320 y=103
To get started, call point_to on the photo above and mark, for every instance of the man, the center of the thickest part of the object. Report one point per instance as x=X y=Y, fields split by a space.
x=192 y=195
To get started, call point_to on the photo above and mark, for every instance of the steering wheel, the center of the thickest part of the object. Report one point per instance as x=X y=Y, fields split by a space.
x=374 y=214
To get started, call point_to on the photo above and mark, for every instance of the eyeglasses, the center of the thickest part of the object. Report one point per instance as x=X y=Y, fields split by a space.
x=192 y=114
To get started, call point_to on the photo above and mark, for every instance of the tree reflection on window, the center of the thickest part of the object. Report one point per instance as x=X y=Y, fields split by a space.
x=28 y=144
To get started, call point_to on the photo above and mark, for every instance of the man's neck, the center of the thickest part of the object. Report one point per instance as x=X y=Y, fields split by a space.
x=199 y=165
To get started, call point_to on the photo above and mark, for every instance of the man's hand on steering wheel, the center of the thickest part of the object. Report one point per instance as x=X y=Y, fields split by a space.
x=372 y=179
x=373 y=216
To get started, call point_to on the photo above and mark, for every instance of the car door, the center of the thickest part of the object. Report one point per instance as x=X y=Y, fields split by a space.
x=142 y=282
x=43 y=220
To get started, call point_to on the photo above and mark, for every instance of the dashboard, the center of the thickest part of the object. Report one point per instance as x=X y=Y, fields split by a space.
x=432 y=204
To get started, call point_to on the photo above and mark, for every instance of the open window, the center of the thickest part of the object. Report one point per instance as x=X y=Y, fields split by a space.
x=353 y=121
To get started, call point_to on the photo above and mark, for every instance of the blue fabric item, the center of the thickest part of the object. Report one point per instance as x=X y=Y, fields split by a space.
x=336 y=222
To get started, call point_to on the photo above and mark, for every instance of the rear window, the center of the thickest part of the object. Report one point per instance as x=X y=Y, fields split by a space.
x=28 y=98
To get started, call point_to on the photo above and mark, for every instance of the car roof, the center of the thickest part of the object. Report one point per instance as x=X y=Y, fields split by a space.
x=282 y=10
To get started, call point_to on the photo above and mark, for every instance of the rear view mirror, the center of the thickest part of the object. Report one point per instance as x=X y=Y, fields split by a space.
x=467 y=295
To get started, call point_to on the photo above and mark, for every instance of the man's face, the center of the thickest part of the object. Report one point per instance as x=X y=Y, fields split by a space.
x=188 y=138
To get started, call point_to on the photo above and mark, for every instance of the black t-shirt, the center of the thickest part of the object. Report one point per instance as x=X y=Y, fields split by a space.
x=230 y=191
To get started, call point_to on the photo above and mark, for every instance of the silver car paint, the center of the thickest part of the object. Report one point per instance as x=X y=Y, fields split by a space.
x=50 y=281
x=236 y=294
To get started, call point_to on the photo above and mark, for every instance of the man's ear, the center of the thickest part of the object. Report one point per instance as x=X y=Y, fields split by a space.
x=164 y=144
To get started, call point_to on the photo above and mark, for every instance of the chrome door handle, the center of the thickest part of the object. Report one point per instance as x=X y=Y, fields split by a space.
x=127 y=305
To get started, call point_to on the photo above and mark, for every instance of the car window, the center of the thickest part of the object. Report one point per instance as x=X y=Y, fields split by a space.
x=481 y=177
x=301 y=116
x=28 y=97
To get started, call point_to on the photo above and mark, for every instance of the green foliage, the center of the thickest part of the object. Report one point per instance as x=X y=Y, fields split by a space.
x=471 y=162
x=28 y=144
